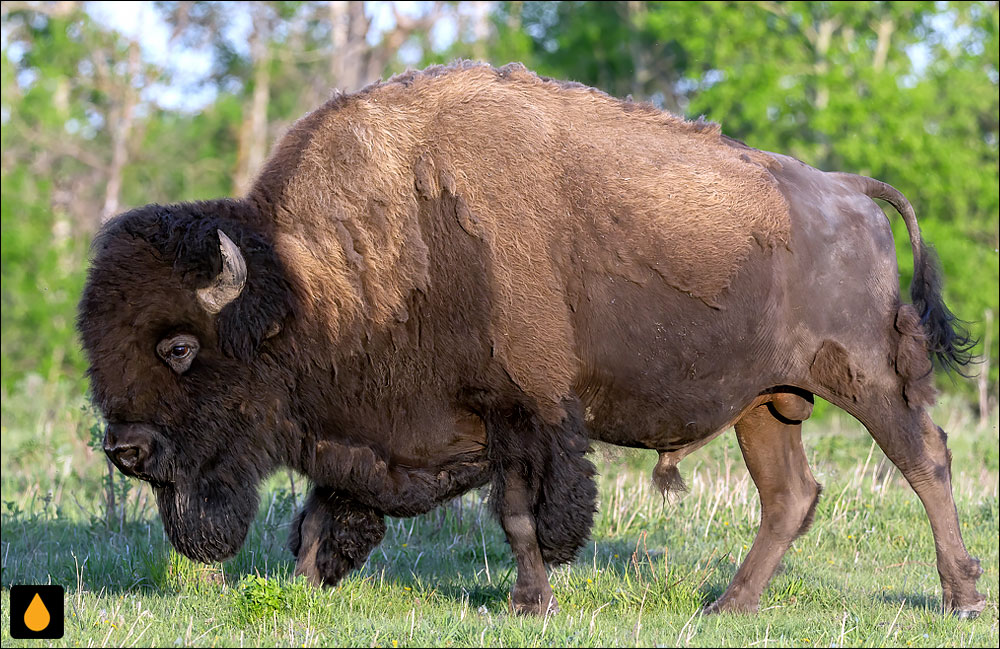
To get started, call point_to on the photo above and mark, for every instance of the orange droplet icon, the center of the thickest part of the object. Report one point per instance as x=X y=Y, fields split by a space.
x=36 y=617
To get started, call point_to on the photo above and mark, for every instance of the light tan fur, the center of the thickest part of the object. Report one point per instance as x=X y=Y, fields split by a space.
x=553 y=177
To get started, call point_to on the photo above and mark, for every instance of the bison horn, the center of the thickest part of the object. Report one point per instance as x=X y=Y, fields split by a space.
x=228 y=284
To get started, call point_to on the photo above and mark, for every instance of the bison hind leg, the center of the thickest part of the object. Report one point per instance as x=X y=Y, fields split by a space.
x=918 y=447
x=333 y=535
x=770 y=438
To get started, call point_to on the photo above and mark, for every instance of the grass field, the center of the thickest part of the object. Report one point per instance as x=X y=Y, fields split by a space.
x=863 y=575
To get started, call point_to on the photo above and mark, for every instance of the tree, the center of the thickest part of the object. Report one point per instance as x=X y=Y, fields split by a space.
x=64 y=80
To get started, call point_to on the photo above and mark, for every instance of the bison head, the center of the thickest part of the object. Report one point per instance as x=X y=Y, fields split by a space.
x=176 y=319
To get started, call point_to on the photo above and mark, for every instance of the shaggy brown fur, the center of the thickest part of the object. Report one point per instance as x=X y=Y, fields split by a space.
x=555 y=138
x=462 y=275
x=396 y=489
x=333 y=535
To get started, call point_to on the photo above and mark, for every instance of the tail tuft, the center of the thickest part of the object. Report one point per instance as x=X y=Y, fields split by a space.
x=948 y=339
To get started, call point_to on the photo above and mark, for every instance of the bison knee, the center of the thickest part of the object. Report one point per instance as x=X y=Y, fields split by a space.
x=792 y=407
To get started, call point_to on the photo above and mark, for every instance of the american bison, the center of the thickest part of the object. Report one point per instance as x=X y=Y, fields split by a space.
x=461 y=276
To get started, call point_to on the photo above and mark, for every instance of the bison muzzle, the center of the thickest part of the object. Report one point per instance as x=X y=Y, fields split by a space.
x=461 y=276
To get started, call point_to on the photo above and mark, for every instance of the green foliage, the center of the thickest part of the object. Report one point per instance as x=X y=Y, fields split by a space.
x=42 y=279
x=184 y=157
x=260 y=597
x=51 y=106
x=906 y=92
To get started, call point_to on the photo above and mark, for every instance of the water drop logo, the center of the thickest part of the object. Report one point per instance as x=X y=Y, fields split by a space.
x=37 y=616
x=36 y=612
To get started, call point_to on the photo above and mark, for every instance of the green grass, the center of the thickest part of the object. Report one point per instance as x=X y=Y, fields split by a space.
x=863 y=575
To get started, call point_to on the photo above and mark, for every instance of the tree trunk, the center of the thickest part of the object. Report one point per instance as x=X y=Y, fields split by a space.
x=884 y=30
x=349 y=30
x=253 y=130
x=984 y=372
x=821 y=46
x=120 y=128
x=635 y=14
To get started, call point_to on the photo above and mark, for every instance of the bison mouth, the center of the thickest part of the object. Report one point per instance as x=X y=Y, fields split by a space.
x=206 y=507
x=207 y=520
x=154 y=482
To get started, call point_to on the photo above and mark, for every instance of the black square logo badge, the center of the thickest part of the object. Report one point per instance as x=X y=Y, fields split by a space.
x=36 y=612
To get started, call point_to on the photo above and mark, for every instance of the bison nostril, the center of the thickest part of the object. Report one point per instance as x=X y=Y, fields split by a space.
x=128 y=458
x=129 y=447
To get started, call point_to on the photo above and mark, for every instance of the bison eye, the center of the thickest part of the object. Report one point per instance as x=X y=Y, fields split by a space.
x=178 y=351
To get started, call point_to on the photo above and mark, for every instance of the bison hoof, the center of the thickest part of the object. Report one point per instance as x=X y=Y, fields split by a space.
x=729 y=605
x=969 y=612
x=532 y=601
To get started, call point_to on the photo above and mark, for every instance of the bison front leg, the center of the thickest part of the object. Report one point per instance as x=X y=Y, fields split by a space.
x=532 y=592
x=772 y=447
x=544 y=494
x=332 y=535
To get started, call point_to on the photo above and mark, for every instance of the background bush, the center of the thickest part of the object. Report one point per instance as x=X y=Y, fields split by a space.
x=97 y=119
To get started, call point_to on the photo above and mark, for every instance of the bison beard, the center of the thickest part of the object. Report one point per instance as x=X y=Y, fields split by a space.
x=207 y=521
x=463 y=275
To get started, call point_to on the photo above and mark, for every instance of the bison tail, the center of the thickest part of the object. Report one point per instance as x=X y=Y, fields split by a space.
x=948 y=339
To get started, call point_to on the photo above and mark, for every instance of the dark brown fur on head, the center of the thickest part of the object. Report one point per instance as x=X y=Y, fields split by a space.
x=210 y=446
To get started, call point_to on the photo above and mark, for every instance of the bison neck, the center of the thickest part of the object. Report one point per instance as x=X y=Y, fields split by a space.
x=384 y=432
x=381 y=399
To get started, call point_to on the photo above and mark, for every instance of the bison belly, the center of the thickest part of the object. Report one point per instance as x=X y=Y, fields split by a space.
x=662 y=369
